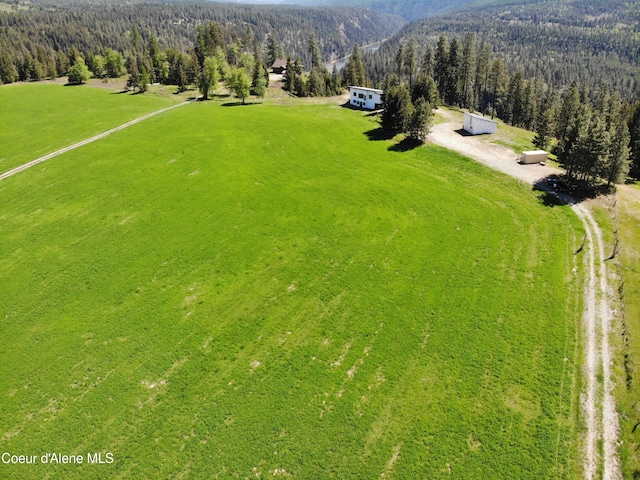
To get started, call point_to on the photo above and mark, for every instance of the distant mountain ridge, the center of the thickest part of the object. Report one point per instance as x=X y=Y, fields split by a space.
x=557 y=40
x=407 y=9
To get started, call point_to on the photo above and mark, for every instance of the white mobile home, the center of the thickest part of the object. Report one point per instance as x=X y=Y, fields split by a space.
x=362 y=97
x=477 y=124
x=533 y=156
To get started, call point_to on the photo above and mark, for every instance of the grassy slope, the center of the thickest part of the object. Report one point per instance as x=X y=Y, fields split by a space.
x=249 y=289
x=41 y=118
x=628 y=210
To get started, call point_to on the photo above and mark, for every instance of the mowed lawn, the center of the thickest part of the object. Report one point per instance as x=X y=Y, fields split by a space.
x=41 y=118
x=264 y=291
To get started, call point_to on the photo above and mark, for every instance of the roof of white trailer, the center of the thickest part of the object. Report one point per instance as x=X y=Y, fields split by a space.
x=366 y=89
x=480 y=117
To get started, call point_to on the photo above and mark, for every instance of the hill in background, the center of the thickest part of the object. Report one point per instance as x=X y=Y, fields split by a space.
x=558 y=41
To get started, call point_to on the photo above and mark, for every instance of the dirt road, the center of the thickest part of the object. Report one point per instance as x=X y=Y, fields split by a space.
x=49 y=156
x=597 y=401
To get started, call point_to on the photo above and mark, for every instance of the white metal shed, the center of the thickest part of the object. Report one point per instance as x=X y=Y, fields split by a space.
x=477 y=124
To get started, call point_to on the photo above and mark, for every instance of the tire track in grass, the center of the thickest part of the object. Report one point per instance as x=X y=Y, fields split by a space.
x=82 y=143
x=601 y=459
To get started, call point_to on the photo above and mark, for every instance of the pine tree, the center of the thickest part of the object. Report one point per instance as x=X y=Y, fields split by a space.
x=634 y=142
x=497 y=84
x=568 y=111
x=411 y=61
x=440 y=65
x=483 y=67
x=8 y=71
x=545 y=118
x=143 y=80
x=425 y=87
x=398 y=109
x=516 y=99
x=354 y=73
x=618 y=164
x=453 y=88
x=421 y=120
x=428 y=60
x=467 y=71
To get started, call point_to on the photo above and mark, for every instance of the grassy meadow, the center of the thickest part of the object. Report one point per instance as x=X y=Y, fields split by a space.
x=263 y=291
x=42 y=118
x=627 y=212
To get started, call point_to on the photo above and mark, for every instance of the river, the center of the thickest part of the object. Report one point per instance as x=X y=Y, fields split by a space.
x=341 y=62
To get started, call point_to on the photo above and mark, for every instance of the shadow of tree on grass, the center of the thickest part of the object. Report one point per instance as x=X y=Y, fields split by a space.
x=563 y=190
x=378 y=134
x=405 y=145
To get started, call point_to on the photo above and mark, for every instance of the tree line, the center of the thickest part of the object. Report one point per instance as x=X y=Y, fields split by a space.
x=318 y=81
x=593 y=132
x=39 y=41
x=241 y=63
x=556 y=41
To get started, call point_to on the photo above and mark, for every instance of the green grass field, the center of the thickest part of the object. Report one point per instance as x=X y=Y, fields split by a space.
x=42 y=118
x=263 y=291
x=627 y=213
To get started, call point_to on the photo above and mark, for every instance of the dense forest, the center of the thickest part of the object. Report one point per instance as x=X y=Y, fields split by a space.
x=557 y=41
x=407 y=9
x=35 y=38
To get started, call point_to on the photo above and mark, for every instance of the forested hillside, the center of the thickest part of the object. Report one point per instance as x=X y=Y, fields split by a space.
x=33 y=37
x=407 y=9
x=557 y=41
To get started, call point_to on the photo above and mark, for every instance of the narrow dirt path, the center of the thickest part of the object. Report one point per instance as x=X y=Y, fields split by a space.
x=597 y=400
x=49 y=156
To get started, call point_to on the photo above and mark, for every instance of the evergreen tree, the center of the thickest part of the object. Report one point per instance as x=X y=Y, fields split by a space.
x=426 y=88
x=143 y=80
x=8 y=71
x=134 y=72
x=452 y=88
x=568 y=111
x=354 y=70
x=411 y=61
x=260 y=78
x=421 y=120
x=398 y=109
x=314 y=52
x=545 y=120
x=618 y=164
x=440 y=65
x=634 y=142
x=467 y=71
x=515 y=111
x=481 y=83
x=335 y=81
x=497 y=84
x=400 y=61
x=428 y=61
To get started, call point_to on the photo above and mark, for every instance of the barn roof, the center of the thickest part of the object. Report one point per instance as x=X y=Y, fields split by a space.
x=279 y=63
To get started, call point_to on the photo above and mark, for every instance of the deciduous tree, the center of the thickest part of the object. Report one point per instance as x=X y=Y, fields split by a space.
x=79 y=72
